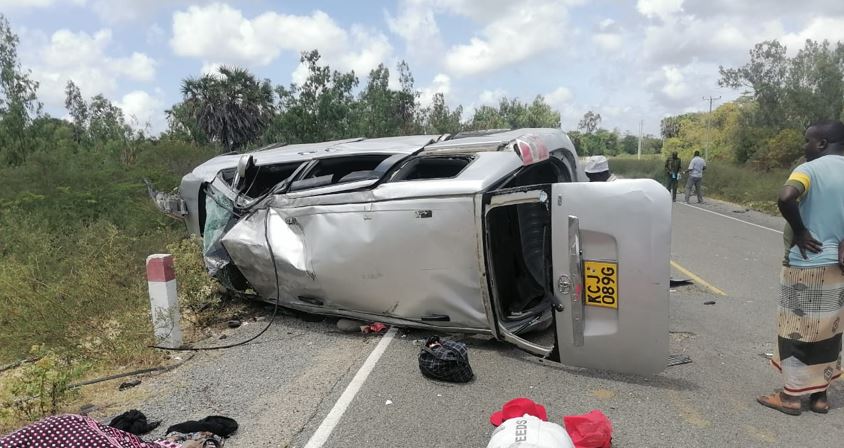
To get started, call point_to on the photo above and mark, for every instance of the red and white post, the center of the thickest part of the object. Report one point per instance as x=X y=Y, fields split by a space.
x=164 y=303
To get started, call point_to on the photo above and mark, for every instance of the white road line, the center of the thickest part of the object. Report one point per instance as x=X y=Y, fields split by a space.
x=333 y=418
x=730 y=217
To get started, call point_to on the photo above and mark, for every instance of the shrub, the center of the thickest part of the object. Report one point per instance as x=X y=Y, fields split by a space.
x=41 y=388
x=199 y=293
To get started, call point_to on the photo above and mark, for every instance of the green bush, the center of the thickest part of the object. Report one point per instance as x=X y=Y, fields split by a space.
x=41 y=388
x=75 y=229
x=739 y=184
x=199 y=293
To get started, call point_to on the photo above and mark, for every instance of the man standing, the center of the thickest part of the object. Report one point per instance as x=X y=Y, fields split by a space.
x=672 y=169
x=695 y=173
x=811 y=308
x=598 y=169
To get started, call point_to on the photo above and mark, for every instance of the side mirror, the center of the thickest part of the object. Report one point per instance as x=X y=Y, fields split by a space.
x=243 y=165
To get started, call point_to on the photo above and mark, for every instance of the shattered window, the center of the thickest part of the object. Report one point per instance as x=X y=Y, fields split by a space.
x=260 y=179
x=339 y=170
x=432 y=168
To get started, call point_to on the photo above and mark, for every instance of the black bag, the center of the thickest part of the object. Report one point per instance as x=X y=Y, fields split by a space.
x=133 y=422
x=445 y=361
x=216 y=424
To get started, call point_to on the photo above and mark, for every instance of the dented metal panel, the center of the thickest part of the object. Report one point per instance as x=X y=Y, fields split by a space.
x=415 y=260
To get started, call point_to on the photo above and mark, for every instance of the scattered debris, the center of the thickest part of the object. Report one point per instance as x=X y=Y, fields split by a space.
x=767 y=355
x=234 y=323
x=128 y=384
x=375 y=327
x=445 y=360
x=388 y=402
x=223 y=336
x=741 y=211
x=709 y=302
x=349 y=325
x=590 y=430
x=679 y=359
x=679 y=281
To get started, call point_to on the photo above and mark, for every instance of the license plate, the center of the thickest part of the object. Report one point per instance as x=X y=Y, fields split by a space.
x=601 y=287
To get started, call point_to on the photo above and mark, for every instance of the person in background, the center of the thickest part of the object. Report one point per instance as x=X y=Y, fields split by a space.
x=598 y=169
x=695 y=173
x=672 y=169
x=811 y=308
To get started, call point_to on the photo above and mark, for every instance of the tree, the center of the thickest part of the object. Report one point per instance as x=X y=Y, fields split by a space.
x=589 y=122
x=382 y=111
x=439 y=119
x=791 y=92
x=18 y=99
x=512 y=113
x=230 y=107
x=106 y=122
x=320 y=109
x=78 y=110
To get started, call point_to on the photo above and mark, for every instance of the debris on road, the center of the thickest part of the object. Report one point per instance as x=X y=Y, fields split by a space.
x=445 y=360
x=128 y=384
x=590 y=430
x=709 y=302
x=234 y=323
x=530 y=431
x=350 y=325
x=388 y=402
x=680 y=281
x=375 y=327
x=679 y=359
x=518 y=407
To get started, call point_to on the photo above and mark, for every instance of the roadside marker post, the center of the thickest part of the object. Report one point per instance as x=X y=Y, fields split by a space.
x=164 y=303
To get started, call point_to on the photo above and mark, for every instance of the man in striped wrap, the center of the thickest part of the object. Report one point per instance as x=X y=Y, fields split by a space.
x=811 y=304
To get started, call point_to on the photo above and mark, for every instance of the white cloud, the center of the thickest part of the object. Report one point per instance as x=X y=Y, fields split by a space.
x=518 y=31
x=138 y=67
x=142 y=109
x=440 y=84
x=221 y=33
x=416 y=24
x=608 y=35
x=84 y=59
x=491 y=97
x=156 y=34
x=818 y=29
x=659 y=8
x=685 y=39
x=559 y=97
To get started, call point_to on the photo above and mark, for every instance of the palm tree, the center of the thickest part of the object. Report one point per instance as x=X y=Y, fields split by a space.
x=230 y=107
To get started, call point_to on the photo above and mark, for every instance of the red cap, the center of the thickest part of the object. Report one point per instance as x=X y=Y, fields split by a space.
x=518 y=407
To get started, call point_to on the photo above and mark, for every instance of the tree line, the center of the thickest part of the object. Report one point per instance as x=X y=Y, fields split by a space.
x=780 y=96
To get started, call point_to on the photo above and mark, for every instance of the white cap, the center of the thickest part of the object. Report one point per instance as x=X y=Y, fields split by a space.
x=597 y=164
x=529 y=432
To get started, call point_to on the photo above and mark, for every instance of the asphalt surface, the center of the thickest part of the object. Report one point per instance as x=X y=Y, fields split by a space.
x=282 y=388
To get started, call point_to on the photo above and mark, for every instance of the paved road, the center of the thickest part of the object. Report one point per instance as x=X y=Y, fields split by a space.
x=710 y=402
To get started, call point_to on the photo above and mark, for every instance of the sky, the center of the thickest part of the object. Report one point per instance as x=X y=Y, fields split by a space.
x=633 y=61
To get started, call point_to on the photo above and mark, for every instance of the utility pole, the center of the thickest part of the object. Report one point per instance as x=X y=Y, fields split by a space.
x=709 y=126
x=639 y=154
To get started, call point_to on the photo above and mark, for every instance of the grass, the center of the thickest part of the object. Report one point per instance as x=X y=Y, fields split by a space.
x=754 y=189
x=75 y=229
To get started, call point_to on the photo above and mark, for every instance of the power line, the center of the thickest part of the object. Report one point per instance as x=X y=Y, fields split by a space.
x=709 y=125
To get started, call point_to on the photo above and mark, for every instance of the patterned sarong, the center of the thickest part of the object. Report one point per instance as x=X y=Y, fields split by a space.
x=809 y=328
